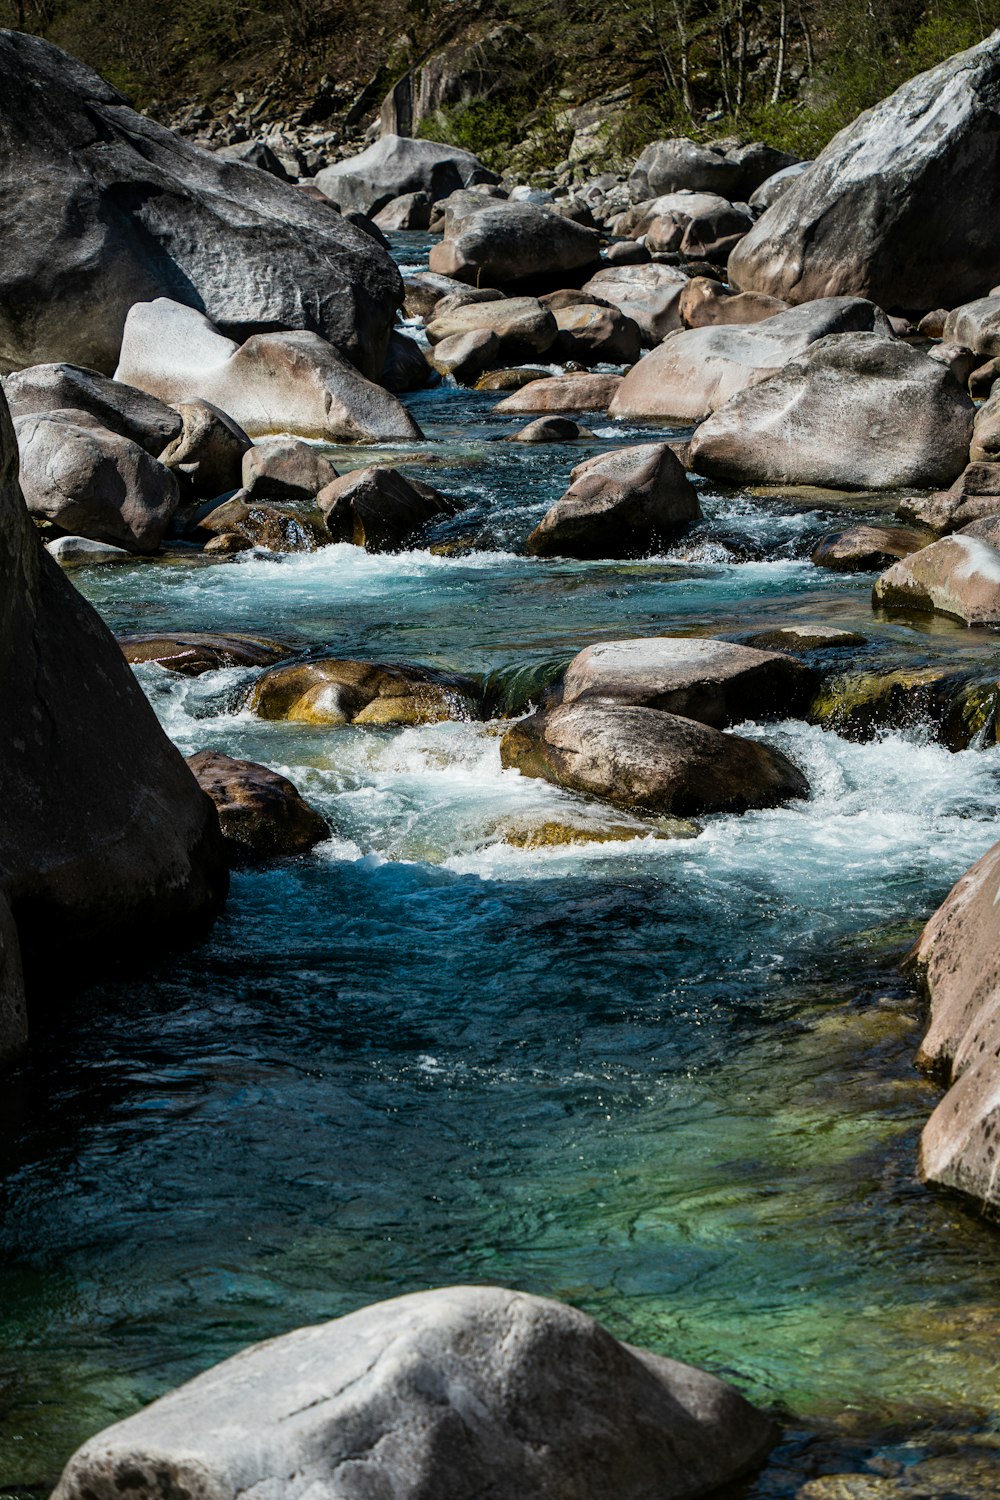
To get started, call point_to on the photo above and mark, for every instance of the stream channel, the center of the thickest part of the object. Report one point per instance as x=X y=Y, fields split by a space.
x=670 y=1081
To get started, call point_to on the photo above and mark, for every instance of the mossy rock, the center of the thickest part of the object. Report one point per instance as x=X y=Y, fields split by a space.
x=336 y=691
x=555 y=833
x=957 y=708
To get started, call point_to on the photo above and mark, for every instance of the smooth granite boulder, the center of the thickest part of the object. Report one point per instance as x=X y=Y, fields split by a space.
x=395 y=166
x=107 y=845
x=985 y=447
x=285 y=469
x=104 y=208
x=854 y=411
x=864 y=549
x=523 y=328
x=461 y=1391
x=123 y=409
x=715 y=682
x=596 y=335
x=648 y=294
x=957 y=576
x=976 y=325
x=678 y=163
x=294 y=383
x=903 y=206
x=380 y=509
x=410 y=211
x=619 y=504
x=562 y=393
x=263 y=816
x=695 y=371
x=507 y=242
x=207 y=456
x=339 y=691
x=705 y=303
x=645 y=760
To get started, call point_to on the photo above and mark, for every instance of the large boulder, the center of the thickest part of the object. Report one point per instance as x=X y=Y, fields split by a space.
x=619 y=504
x=958 y=958
x=337 y=691
x=285 y=469
x=560 y=393
x=649 y=295
x=132 y=413
x=207 y=456
x=107 y=845
x=293 y=383
x=856 y=410
x=985 y=446
x=678 y=163
x=380 y=509
x=397 y=165
x=459 y=1391
x=94 y=483
x=645 y=760
x=867 y=548
x=716 y=682
x=957 y=576
x=903 y=206
x=523 y=328
x=697 y=370
x=263 y=816
x=976 y=325
x=104 y=208
x=591 y=335
x=507 y=242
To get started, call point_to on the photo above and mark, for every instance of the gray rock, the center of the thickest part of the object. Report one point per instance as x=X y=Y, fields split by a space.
x=458 y=1391
x=466 y=355
x=255 y=154
x=624 y=503
x=94 y=483
x=406 y=367
x=903 y=206
x=523 y=328
x=856 y=410
x=865 y=549
x=395 y=166
x=593 y=335
x=986 y=430
x=648 y=294
x=81 y=552
x=131 y=413
x=379 y=509
x=775 y=186
x=715 y=682
x=275 y=382
x=676 y=164
x=551 y=430
x=207 y=456
x=104 y=208
x=285 y=469
x=976 y=325
x=510 y=241
x=410 y=211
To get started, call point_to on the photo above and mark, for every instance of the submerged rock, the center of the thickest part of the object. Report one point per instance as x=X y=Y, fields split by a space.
x=457 y=1391
x=619 y=504
x=862 y=549
x=335 y=691
x=192 y=653
x=643 y=759
x=379 y=508
x=563 y=832
x=958 y=576
x=262 y=814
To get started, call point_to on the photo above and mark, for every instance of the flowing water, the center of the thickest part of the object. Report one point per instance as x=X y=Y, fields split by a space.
x=669 y=1081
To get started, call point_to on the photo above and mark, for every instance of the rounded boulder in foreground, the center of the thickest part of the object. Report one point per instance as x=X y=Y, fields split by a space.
x=462 y=1391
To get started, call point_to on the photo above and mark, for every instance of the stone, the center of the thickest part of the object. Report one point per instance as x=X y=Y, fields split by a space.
x=207 y=456
x=379 y=509
x=395 y=166
x=276 y=528
x=523 y=328
x=192 y=653
x=93 y=483
x=552 y=833
x=508 y=242
x=985 y=447
x=983 y=378
x=131 y=413
x=959 y=360
x=13 y=1007
x=596 y=335
x=627 y=253
x=227 y=543
x=285 y=469
x=406 y=367
x=958 y=576
x=645 y=760
x=932 y=324
x=625 y=503
x=854 y=411
x=695 y=371
x=410 y=211
x=706 y=304
x=465 y=356
x=263 y=816
x=865 y=549
x=105 y=208
x=649 y=295
x=672 y=165
x=773 y=187
x=551 y=430
x=711 y=236
x=804 y=638
x=866 y=218
x=81 y=552
x=716 y=682
x=107 y=845
x=560 y=393
x=255 y=154
x=335 y=691
x=464 y=297
x=423 y=290
x=512 y=380
x=976 y=325
x=450 y=1392
x=294 y=383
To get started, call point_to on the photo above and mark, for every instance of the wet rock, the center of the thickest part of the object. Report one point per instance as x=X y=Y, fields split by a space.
x=207 y=456
x=697 y=370
x=294 y=383
x=465 y=356
x=192 y=653
x=406 y=367
x=645 y=760
x=866 y=217
x=716 y=682
x=957 y=576
x=273 y=527
x=804 y=638
x=596 y=335
x=131 y=413
x=335 y=691
x=227 y=544
x=706 y=304
x=551 y=430
x=285 y=469
x=649 y=295
x=563 y=393
x=859 y=705
x=559 y=833
x=619 y=504
x=145 y=866
x=261 y=814
x=105 y=208
x=521 y=325
x=856 y=410
x=94 y=483
x=461 y=1390
x=512 y=380
x=395 y=166
x=864 y=549
x=379 y=509
x=507 y=242
x=81 y=552
x=410 y=211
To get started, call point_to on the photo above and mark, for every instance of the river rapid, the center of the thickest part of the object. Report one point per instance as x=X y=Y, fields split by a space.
x=669 y=1081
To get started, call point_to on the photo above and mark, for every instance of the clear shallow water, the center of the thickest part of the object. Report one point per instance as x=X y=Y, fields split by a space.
x=670 y=1081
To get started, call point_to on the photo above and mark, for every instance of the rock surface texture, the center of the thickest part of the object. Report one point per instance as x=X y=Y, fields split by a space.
x=506 y=242
x=869 y=217
x=454 y=1392
x=104 y=208
x=957 y=576
x=261 y=814
x=619 y=504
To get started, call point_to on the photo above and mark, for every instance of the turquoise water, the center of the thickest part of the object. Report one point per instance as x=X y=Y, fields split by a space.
x=669 y=1081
